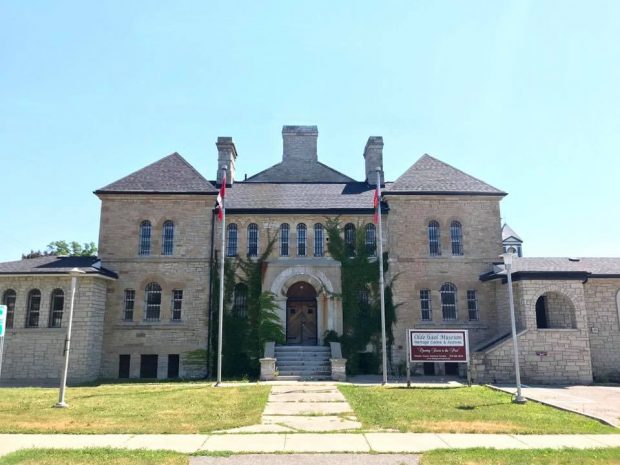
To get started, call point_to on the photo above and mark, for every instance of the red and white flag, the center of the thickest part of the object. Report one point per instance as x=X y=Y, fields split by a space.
x=377 y=204
x=220 y=199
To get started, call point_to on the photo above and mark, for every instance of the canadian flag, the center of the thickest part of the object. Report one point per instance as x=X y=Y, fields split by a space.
x=220 y=199
x=376 y=205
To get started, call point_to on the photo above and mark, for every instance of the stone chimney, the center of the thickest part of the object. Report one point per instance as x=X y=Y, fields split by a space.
x=299 y=143
x=226 y=156
x=373 y=156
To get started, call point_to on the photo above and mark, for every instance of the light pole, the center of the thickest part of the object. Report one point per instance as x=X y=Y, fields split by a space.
x=61 y=397
x=507 y=257
x=381 y=280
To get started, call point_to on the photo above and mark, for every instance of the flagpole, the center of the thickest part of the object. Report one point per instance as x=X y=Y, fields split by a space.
x=381 y=279
x=220 y=321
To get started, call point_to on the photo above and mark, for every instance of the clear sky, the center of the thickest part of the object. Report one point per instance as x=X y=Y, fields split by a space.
x=522 y=94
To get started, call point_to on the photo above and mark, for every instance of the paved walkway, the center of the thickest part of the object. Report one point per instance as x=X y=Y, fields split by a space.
x=309 y=459
x=600 y=402
x=306 y=442
x=304 y=407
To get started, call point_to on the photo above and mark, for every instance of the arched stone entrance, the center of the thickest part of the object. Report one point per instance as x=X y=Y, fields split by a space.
x=301 y=315
x=555 y=310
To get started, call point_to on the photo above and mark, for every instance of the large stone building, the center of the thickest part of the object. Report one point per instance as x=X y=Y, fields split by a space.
x=142 y=306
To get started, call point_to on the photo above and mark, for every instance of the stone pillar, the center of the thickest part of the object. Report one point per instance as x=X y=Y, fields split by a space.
x=267 y=369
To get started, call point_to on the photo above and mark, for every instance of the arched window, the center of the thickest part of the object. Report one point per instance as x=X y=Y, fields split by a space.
x=240 y=304
x=284 y=235
x=34 y=308
x=57 y=306
x=301 y=240
x=448 y=301
x=8 y=299
x=253 y=240
x=145 y=238
x=425 y=305
x=152 y=302
x=318 y=240
x=167 y=238
x=349 y=239
x=456 y=235
x=231 y=245
x=433 y=239
x=371 y=240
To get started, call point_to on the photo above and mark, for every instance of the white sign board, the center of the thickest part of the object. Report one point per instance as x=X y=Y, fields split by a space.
x=443 y=345
x=3 y=312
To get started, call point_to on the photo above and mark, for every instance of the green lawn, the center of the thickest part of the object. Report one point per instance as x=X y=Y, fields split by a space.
x=522 y=457
x=460 y=410
x=132 y=408
x=93 y=457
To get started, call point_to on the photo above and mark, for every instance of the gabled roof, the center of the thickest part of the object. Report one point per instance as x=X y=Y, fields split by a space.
x=508 y=232
x=300 y=171
x=170 y=175
x=431 y=176
x=299 y=196
x=52 y=264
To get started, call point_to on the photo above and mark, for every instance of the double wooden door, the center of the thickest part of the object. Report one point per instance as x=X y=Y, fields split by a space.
x=301 y=323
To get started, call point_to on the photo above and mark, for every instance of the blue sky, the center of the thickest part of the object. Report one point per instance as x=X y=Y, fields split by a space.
x=522 y=94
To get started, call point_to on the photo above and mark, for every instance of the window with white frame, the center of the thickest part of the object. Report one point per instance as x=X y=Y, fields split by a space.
x=167 y=238
x=371 y=240
x=231 y=245
x=285 y=230
x=9 y=298
x=34 y=309
x=129 y=302
x=240 y=303
x=177 y=304
x=472 y=305
x=456 y=236
x=252 y=240
x=56 y=308
x=301 y=240
x=152 y=302
x=425 y=305
x=318 y=240
x=145 y=238
x=434 y=239
x=349 y=239
x=448 y=301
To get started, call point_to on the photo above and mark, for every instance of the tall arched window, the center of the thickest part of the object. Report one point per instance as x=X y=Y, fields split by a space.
x=301 y=240
x=34 y=308
x=371 y=240
x=231 y=245
x=240 y=304
x=284 y=237
x=167 y=238
x=456 y=235
x=433 y=239
x=152 y=302
x=9 y=297
x=253 y=240
x=145 y=238
x=57 y=306
x=318 y=240
x=448 y=301
x=349 y=239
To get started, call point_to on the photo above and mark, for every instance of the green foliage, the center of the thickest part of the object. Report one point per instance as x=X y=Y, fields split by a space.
x=362 y=319
x=73 y=249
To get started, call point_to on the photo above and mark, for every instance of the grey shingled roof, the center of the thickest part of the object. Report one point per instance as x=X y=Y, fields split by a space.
x=253 y=195
x=429 y=175
x=171 y=174
x=594 y=265
x=300 y=171
x=507 y=232
x=55 y=265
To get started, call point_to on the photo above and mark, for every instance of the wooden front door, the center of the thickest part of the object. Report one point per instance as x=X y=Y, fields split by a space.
x=301 y=327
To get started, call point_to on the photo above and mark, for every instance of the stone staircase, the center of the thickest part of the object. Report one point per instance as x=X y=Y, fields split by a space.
x=303 y=363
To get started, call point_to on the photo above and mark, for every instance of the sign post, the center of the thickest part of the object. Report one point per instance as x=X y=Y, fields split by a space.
x=3 y=313
x=438 y=345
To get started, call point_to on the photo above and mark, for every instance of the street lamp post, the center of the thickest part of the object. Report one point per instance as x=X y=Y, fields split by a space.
x=507 y=257
x=75 y=272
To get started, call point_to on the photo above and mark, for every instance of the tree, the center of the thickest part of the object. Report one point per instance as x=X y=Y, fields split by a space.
x=73 y=249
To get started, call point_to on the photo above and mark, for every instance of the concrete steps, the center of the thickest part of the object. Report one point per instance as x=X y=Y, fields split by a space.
x=295 y=363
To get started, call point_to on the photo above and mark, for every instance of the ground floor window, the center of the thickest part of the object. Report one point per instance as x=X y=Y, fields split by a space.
x=148 y=366
x=452 y=369
x=124 y=361
x=173 y=366
x=429 y=368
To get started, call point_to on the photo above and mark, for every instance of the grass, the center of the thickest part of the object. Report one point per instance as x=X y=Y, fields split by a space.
x=461 y=410
x=525 y=457
x=93 y=457
x=182 y=408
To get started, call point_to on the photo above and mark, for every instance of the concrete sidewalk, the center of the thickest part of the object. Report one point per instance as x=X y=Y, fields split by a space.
x=306 y=443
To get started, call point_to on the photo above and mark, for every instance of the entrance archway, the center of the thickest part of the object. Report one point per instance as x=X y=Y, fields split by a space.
x=301 y=315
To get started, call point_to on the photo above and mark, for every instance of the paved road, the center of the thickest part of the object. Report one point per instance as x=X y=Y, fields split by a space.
x=602 y=402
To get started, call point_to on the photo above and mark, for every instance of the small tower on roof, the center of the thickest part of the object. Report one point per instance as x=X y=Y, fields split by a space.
x=511 y=241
